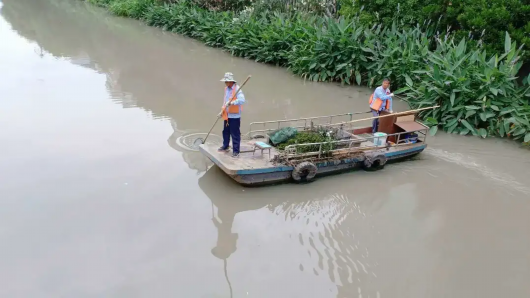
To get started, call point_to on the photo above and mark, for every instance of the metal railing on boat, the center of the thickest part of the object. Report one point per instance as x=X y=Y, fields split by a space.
x=308 y=122
x=356 y=144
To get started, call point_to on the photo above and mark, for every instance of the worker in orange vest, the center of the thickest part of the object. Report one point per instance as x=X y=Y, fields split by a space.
x=380 y=100
x=231 y=113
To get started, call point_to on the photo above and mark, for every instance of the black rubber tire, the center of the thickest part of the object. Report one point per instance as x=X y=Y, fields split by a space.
x=374 y=162
x=304 y=172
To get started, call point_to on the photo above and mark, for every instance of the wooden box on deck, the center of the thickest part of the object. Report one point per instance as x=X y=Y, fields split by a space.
x=388 y=124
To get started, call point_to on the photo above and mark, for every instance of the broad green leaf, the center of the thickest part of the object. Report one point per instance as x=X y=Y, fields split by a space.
x=436 y=72
x=470 y=113
x=452 y=127
x=461 y=48
x=367 y=50
x=507 y=126
x=495 y=108
x=520 y=131
x=507 y=43
x=401 y=90
x=472 y=108
x=464 y=131
x=341 y=66
x=358 y=77
x=460 y=114
x=467 y=125
x=452 y=99
x=494 y=91
x=409 y=80
x=451 y=122
x=483 y=133
x=506 y=112
x=432 y=121
x=527 y=138
x=483 y=116
x=523 y=121
x=433 y=130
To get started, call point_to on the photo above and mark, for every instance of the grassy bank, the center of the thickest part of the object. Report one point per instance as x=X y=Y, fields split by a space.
x=477 y=92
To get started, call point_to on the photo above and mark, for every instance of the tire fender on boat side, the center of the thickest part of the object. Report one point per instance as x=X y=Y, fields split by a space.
x=304 y=171
x=374 y=162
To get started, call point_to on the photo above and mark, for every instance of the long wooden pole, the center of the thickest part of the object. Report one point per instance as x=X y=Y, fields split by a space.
x=230 y=100
x=393 y=114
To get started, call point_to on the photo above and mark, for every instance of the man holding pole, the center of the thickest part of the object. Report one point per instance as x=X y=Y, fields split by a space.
x=380 y=100
x=231 y=113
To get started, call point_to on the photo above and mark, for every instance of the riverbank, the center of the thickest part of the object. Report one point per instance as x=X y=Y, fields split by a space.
x=477 y=92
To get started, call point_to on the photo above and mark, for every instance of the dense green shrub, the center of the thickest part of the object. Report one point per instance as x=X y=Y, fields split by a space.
x=318 y=7
x=130 y=8
x=478 y=93
x=101 y=2
x=224 y=5
x=486 y=20
x=349 y=52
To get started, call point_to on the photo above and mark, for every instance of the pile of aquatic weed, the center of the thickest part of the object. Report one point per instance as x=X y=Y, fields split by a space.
x=308 y=137
x=478 y=92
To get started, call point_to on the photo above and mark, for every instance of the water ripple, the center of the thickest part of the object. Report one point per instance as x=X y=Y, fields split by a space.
x=331 y=244
x=468 y=162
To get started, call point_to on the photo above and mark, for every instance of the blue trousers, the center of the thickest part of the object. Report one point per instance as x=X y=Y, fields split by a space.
x=375 y=122
x=232 y=130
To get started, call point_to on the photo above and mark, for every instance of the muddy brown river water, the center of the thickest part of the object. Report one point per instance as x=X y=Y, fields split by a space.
x=98 y=200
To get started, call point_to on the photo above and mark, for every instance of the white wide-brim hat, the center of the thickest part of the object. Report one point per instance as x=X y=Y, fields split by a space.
x=229 y=77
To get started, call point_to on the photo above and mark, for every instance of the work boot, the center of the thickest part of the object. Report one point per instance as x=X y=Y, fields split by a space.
x=235 y=154
x=222 y=149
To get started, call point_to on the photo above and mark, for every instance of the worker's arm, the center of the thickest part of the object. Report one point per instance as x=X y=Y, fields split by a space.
x=391 y=99
x=240 y=99
x=380 y=93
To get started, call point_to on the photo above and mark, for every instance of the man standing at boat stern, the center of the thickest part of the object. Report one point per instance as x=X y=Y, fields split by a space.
x=380 y=100
x=231 y=113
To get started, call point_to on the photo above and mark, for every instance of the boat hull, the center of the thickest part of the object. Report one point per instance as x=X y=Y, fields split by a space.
x=275 y=174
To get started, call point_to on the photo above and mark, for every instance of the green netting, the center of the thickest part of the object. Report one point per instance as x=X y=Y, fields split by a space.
x=282 y=135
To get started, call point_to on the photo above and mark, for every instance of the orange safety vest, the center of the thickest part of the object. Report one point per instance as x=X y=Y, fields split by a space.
x=378 y=102
x=231 y=109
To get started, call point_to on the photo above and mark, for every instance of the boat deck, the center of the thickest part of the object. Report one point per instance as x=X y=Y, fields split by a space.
x=248 y=158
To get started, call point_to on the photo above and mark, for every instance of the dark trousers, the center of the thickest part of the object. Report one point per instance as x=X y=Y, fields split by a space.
x=375 y=122
x=232 y=130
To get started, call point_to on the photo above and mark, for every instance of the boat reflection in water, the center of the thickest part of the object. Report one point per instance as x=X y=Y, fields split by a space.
x=330 y=227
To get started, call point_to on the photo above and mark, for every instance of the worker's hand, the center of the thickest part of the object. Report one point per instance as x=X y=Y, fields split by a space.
x=391 y=94
x=220 y=114
x=228 y=103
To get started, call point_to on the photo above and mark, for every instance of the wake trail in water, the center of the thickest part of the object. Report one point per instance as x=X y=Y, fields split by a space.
x=468 y=162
